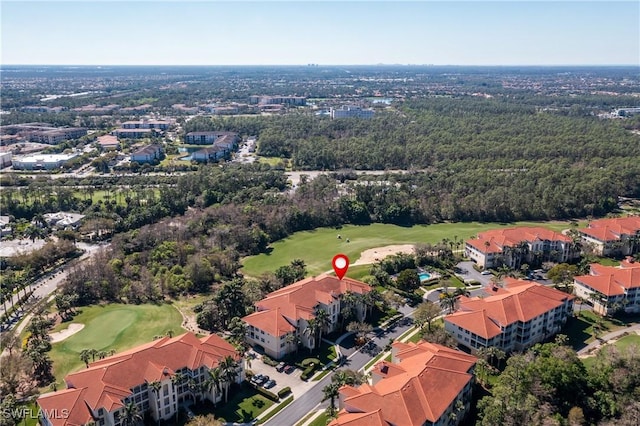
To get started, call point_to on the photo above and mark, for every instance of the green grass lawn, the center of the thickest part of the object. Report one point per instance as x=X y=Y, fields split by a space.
x=244 y=405
x=622 y=344
x=318 y=247
x=115 y=326
x=580 y=329
x=321 y=420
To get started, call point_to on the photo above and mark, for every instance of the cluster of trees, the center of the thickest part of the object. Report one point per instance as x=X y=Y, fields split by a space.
x=550 y=385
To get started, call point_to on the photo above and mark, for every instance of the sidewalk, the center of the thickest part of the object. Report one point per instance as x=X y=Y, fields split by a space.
x=606 y=338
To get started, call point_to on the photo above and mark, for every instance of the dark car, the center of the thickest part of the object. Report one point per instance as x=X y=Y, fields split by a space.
x=269 y=384
x=289 y=369
x=280 y=367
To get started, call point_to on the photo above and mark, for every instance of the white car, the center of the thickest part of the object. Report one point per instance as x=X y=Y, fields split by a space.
x=485 y=273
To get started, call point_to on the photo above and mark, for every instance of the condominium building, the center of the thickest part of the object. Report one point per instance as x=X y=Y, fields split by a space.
x=208 y=138
x=424 y=384
x=351 y=111
x=148 y=154
x=278 y=100
x=512 y=318
x=515 y=246
x=156 y=377
x=212 y=153
x=287 y=311
x=108 y=142
x=617 y=236
x=147 y=124
x=56 y=136
x=134 y=133
x=610 y=288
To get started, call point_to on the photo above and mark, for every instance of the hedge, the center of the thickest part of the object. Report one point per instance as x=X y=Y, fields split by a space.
x=267 y=360
x=262 y=391
x=308 y=372
x=284 y=392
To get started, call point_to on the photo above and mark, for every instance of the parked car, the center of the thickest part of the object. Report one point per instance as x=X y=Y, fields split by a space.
x=280 y=367
x=289 y=369
x=258 y=378
x=485 y=273
x=269 y=384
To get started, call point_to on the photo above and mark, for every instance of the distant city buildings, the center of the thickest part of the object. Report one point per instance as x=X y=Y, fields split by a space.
x=278 y=100
x=515 y=246
x=5 y=159
x=41 y=161
x=512 y=318
x=611 y=288
x=619 y=236
x=351 y=111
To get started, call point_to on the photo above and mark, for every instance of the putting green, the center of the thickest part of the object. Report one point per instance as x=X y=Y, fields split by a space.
x=318 y=247
x=112 y=327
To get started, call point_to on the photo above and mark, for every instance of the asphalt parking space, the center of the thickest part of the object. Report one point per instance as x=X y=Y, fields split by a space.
x=292 y=380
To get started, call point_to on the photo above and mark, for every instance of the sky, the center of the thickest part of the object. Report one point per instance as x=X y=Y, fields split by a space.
x=322 y=32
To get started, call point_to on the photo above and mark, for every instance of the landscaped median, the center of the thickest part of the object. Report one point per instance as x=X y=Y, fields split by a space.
x=275 y=410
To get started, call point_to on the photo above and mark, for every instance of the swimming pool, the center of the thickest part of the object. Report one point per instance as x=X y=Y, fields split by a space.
x=424 y=276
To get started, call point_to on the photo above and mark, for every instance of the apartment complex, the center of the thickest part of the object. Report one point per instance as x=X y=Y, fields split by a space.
x=145 y=376
x=515 y=246
x=512 y=318
x=424 y=384
x=134 y=133
x=147 y=124
x=351 y=111
x=611 y=288
x=108 y=142
x=208 y=138
x=147 y=154
x=55 y=136
x=278 y=100
x=617 y=236
x=287 y=311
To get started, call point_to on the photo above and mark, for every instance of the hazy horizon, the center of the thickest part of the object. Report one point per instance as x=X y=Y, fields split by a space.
x=270 y=33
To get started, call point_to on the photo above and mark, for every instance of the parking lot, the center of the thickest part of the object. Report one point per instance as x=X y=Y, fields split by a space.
x=292 y=380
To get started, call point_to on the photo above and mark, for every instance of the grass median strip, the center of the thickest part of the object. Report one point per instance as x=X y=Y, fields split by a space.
x=275 y=410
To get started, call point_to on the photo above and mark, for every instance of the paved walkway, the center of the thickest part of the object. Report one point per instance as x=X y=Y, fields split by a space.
x=587 y=350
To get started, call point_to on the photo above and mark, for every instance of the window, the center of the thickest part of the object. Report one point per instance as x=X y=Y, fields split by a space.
x=167 y=410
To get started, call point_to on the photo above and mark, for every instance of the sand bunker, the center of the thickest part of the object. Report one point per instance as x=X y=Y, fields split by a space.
x=375 y=254
x=69 y=331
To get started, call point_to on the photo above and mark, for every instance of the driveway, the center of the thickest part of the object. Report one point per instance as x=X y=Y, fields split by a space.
x=470 y=274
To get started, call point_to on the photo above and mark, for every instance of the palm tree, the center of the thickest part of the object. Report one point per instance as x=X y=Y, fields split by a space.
x=448 y=301
x=155 y=387
x=323 y=320
x=131 y=414
x=331 y=391
x=84 y=356
x=229 y=371
x=310 y=331
x=213 y=381
x=177 y=379
x=292 y=338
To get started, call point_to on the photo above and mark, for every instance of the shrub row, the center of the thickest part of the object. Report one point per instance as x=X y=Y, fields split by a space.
x=267 y=360
x=262 y=391
x=284 y=392
x=308 y=372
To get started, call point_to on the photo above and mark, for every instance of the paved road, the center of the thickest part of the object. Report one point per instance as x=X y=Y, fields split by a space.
x=50 y=282
x=303 y=405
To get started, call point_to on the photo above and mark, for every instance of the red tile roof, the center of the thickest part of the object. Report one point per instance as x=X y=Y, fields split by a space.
x=611 y=280
x=280 y=309
x=612 y=229
x=495 y=240
x=418 y=389
x=108 y=381
x=518 y=301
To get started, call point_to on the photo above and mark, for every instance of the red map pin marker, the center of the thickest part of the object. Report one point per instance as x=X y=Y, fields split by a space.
x=340 y=265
